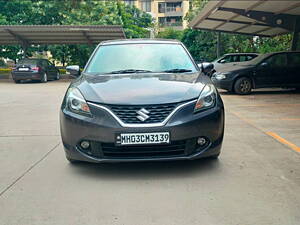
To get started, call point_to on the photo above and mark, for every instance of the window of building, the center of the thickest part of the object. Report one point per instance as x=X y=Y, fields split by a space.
x=161 y=7
x=170 y=21
x=173 y=7
x=129 y=2
x=146 y=5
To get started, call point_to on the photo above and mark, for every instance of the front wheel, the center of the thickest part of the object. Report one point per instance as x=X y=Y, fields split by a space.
x=243 y=86
x=44 y=78
x=17 y=81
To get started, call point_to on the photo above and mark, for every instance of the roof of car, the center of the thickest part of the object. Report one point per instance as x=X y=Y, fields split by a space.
x=246 y=53
x=140 y=41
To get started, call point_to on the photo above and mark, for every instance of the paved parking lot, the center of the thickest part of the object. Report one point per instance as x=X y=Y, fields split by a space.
x=256 y=181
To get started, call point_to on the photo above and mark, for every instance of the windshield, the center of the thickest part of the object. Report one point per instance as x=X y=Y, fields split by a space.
x=27 y=61
x=140 y=58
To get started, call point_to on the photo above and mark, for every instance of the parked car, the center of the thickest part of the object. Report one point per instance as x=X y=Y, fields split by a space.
x=280 y=69
x=35 y=69
x=141 y=100
x=231 y=59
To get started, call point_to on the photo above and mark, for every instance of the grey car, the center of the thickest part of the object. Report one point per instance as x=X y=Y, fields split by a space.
x=34 y=69
x=141 y=100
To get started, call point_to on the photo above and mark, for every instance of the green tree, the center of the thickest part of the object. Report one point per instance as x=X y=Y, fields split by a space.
x=170 y=33
x=71 y=12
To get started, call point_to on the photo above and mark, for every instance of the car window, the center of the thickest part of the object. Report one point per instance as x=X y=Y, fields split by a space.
x=226 y=59
x=152 y=57
x=45 y=63
x=250 y=57
x=28 y=61
x=278 y=60
x=294 y=60
x=235 y=58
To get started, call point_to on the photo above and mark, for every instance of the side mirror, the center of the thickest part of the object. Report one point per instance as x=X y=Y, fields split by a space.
x=73 y=70
x=206 y=68
x=222 y=61
x=264 y=64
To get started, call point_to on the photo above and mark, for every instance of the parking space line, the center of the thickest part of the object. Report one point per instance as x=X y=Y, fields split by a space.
x=269 y=133
x=29 y=169
x=283 y=141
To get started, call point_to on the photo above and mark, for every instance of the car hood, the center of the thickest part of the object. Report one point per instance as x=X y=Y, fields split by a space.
x=137 y=89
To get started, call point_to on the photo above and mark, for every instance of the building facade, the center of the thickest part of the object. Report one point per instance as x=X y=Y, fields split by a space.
x=167 y=13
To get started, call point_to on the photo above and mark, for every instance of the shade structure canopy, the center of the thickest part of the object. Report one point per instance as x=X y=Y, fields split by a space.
x=253 y=17
x=58 y=34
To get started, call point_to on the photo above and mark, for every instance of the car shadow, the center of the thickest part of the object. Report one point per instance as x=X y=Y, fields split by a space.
x=146 y=170
x=264 y=92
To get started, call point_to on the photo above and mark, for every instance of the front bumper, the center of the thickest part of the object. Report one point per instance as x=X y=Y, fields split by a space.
x=223 y=84
x=184 y=127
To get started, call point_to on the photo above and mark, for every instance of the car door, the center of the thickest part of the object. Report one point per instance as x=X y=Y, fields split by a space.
x=272 y=71
x=293 y=69
x=51 y=70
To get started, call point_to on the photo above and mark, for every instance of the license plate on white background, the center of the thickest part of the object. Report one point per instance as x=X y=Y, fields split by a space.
x=143 y=138
x=23 y=69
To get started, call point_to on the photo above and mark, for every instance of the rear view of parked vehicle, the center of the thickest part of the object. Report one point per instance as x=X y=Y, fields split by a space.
x=34 y=69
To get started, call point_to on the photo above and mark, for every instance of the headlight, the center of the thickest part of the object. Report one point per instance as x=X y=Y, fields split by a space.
x=76 y=102
x=220 y=76
x=207 y=98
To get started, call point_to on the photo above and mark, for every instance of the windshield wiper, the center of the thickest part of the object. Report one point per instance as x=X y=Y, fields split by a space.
x=177 y=71
x=130 y=71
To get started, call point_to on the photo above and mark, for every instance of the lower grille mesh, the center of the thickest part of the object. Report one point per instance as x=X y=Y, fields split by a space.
x=174 y=149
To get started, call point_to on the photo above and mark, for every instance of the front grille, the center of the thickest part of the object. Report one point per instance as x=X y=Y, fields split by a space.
x=157 y=113
x=176 y=148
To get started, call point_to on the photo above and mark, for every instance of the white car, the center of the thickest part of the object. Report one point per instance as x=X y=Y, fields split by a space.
x=231 y=59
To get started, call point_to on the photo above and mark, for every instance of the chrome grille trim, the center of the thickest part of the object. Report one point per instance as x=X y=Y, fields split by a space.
x=144 y=124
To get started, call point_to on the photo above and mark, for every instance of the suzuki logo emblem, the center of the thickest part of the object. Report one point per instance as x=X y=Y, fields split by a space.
x=142 y=114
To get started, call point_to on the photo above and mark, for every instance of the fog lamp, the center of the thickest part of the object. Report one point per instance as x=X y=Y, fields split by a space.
x=201 y=141
x=85 y=144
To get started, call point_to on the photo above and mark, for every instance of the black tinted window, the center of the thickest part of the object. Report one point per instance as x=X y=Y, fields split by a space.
x=294 y=60
x=244 y=58
x=45 y=63
x=278 y=60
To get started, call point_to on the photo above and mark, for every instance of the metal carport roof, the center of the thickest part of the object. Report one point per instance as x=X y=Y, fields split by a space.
x=255 y=17
x=58 y=34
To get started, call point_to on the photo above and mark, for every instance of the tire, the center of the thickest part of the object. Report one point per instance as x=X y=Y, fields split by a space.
x=17 y=81
x=57 y=76
x=243 y=86
x=44 y=78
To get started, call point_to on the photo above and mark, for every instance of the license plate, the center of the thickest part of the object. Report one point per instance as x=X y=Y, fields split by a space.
x=23 y=69
x=143 y=138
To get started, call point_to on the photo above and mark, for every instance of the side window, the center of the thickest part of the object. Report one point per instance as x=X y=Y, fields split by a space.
x=278 y=60
x=224 y=59
x=294 y=60
x=244 y=58
x=250 y=57
x=235 y=58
